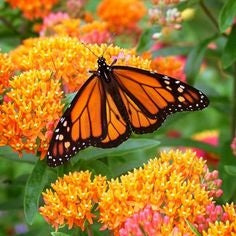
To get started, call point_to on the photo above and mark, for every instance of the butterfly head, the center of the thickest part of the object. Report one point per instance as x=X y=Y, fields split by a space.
x=101 y=61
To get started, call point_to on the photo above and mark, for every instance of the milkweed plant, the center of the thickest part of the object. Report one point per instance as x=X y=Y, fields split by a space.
x=179 y=180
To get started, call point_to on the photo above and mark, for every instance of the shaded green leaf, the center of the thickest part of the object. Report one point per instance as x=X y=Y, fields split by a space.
x=175 y=142
x=12 y=204
x=231 y=170
x=195 y=58
x=145 y=41
x=167 y=51
x=59 y=234
x=7 y=153
x=229 y=53
x=129 y=146
x=227 y=14
x=34 y=187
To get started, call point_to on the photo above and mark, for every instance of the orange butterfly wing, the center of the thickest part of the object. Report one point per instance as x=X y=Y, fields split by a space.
x=149 y=97
x=114 y=101
x=81 y=125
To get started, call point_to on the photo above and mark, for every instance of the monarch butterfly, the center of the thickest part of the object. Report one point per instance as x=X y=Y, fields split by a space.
x=114 y=101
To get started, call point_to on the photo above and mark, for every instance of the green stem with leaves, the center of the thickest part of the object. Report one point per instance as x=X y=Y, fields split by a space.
x=209 y=14
x=234 y=104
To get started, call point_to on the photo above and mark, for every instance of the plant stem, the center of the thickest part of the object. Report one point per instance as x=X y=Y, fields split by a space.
x=8 y=24
x=89 y=230
x=208 y=13
x=234 y=104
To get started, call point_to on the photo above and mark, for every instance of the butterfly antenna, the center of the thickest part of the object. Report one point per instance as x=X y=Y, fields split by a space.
x=89 y=49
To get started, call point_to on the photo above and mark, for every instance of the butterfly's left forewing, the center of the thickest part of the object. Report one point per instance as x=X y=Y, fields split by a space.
x=82 y=124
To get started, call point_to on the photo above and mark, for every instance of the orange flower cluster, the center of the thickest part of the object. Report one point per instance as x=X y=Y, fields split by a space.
x=6 y=71
x=33 y=9
x=72 y=200
x=33 y=101
x=172 y=66
x=93 y=32
x=121 y=14
x=68 y=58
x=170 y=185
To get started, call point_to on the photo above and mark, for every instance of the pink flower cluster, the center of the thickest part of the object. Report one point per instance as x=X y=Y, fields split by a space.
x=146 y=222
x=213 y=213
x=212 y=183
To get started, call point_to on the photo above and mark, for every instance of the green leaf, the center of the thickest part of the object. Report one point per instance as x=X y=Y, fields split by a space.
x=34 y=187
x=59 y=234
x=167 y=51
x=129 y=146
x=195 y=58
x=229 y=53
x=7 y=153
x=192 y=228
x=145 y=41
x=227 y=14
x=12 y=204
x=231 y=170
x=175 y=142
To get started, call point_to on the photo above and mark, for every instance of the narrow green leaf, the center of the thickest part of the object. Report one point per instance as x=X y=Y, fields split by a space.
x=175 y=142
x=195 y=58
x=33 y=189
x=231 y=170
x=145 y=41
x=229 y=53
x=129 y=146
x=192 y=228
x=59 y=234
x=227 y=14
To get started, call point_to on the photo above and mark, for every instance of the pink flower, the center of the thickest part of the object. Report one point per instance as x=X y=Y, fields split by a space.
x=51 y=20
x=146 y=222
x=233 y=146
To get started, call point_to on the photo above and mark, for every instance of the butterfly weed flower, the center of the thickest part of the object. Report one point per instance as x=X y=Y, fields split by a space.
x=34 y=100
x=212 y=214
x=72 y=199
x=51 y=20
x=33 y=9
x=6 y=71
x=171 y=185
x=68 y=59
x=146 y=222
x=225 y=224
x=121 y=15
x=166 y=14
